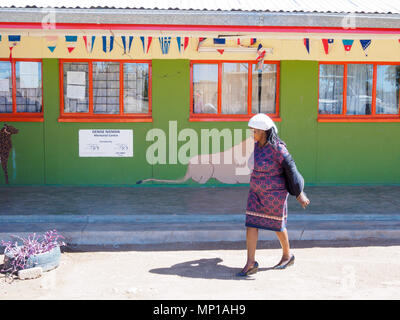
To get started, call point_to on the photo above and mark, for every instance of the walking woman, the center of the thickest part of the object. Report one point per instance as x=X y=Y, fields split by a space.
x=274 y=176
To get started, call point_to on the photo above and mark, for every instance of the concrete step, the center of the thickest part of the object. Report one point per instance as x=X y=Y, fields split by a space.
x=167 y=228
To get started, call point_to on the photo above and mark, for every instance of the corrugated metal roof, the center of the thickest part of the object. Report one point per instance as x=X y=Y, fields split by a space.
x=321 y=6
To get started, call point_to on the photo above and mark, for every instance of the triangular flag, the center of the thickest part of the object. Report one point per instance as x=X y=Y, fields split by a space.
x=365 y=44
x=71 y=42
x=146 y=41
x=13 y=41
x=306 y=42
x=260 y=57
x=164 y=44
x=184 y=44
x=51 y=42
x=89 y=43
x=347 y=44
x=221 y=51
x=108 y=43
x=219 y=41
x=129 y=44
x=327 y=44
x=200 y=41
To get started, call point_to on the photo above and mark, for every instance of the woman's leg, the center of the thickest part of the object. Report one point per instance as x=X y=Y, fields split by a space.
x=284 y=240
x=251 y=243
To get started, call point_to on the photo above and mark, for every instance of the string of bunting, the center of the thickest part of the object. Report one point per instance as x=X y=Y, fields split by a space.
x=182 y=43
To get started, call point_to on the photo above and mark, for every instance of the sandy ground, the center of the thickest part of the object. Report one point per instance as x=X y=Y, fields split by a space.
x=347 y=270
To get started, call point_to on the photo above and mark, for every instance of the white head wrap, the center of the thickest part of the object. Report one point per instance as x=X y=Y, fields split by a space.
x=262 y=121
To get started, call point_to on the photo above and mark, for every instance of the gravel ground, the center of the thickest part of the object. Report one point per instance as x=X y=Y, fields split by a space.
x=206 y=271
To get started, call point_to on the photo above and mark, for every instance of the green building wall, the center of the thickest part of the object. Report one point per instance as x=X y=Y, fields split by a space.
x=326 y=153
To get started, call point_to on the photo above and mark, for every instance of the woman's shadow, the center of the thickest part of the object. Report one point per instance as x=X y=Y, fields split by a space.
x=204 y=269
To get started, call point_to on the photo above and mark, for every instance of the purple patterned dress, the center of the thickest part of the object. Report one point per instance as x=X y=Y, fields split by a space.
x=267 y=201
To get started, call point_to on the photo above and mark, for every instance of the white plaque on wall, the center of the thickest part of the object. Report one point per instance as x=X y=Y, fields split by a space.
x=105 y=143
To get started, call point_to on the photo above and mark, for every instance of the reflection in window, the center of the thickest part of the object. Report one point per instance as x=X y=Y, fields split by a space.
x=234 y=88
x=136 y=86
x=205 y=88
x=29 y=86
x=264 y=89
x=106 y=87
x=359 y=89
x=387 y=89
x=330 y=89
x=6 y=103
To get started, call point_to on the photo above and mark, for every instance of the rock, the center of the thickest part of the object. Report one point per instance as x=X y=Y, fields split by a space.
x=31 y=273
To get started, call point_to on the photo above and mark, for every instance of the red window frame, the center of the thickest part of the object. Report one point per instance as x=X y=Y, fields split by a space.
x=95 y=117
x=21 y=116
x=232 y=117
x=373 y=117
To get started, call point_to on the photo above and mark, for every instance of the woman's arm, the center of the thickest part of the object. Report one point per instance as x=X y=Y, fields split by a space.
x=294 y=180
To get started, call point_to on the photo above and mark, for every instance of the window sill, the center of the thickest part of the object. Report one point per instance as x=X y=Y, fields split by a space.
x=108 y=118
x=384 y=118
x=21 y=117
x=230 y=118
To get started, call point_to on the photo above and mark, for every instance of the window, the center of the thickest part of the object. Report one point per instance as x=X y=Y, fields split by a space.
x=21 y=97
x=105 y=91
x=358 y=92
x=233 y=90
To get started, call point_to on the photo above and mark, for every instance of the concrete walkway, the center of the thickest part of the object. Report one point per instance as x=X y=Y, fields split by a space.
x=150 y=215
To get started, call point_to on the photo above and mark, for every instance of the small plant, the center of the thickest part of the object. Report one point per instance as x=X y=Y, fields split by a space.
x=31 y=246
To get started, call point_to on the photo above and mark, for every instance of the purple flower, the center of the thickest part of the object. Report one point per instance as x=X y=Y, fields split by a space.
x=31 y=246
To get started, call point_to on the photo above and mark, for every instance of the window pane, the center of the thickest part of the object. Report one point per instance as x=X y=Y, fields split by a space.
x=205 y=88
x=234 y=88
x=29 y=86
x=330 y=89
x=387 y=89
x=359 y=88
x=136 y=86
x=76 y=87
x=5 y=87
x=264 y=89
x=106 y=87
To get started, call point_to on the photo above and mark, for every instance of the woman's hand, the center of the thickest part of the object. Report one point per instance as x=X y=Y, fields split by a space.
x=304 y=201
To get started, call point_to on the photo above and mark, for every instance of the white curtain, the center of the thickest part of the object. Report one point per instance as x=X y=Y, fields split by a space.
x=234 y=88
x=359 y=88
x=264 y=89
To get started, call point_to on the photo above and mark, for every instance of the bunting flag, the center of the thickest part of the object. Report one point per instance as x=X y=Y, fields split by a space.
x=347 y=44
x=183 y=44
x=51 y=42
x=146 y=42
x=108 y=43
x=165 y=43
x=365 y=45
x=327 y=43
x=89 y=43
x=219 y=41
x=12 y=43
x=71 y=42
x=221 y=51
x=260 y=57
x=253 y=41
x=200 y=41
x=127 y=46
x=306 y=42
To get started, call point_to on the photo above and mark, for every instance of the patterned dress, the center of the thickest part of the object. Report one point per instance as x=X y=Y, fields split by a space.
x=267 y=200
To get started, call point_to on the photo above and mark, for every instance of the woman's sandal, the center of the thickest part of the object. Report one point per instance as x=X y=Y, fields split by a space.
x=285 y=265
x=251 y=270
